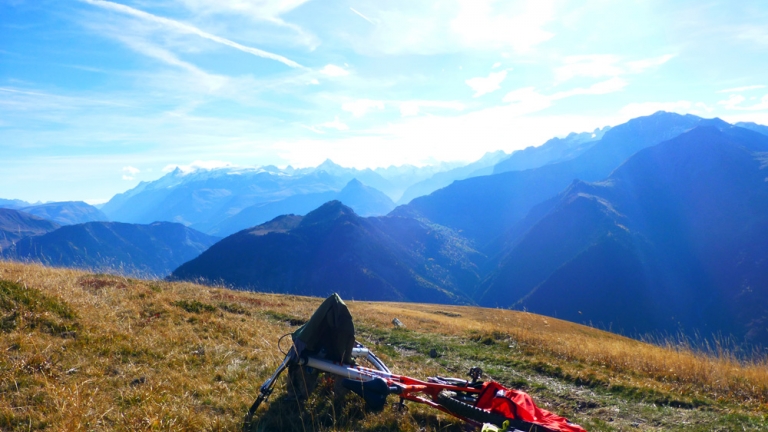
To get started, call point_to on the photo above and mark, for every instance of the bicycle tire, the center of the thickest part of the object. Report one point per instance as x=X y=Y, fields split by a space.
x=468 y=411
x=480 y=415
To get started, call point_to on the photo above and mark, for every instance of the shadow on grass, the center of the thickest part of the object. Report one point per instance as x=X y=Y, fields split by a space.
x=327 y=410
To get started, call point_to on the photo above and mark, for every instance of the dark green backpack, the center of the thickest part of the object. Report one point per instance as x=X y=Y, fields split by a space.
x=330 y=328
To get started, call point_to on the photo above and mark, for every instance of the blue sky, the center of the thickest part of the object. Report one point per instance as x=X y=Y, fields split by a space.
x=96 y=96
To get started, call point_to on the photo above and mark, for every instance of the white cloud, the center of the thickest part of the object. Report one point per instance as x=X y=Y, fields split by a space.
x=734 y=102
x=485 y=85
x=591 y=66
x=528 y=100
x=445 y=26
x=702 y=106
x=189 y=29
x=496 y=65
x=129 y=172
x=412 y=108
x=604 y=65
x=604 y=87
x=756 y=34
x=258 y=9
x=518 y=25
x=198 y=165
x=360 y=107
x=741 y=89
x=334 y=71
x=335 y=124
x=640 y=66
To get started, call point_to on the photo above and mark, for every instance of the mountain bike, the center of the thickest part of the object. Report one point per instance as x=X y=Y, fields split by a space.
x=473 y=401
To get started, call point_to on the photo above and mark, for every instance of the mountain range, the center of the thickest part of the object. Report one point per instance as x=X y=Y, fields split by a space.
x=145 y=251
x=332 y=249
x=66 y=212
x=676 y=238
x=365 y=200
x=482 y=166
x=212 y=200
x=16 y=225
x=485 y=209
x=552 y=151
x=661 y=225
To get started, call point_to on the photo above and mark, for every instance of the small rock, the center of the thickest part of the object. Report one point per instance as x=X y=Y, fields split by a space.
x=433 y=353
x=398 y=323
x=138 y=381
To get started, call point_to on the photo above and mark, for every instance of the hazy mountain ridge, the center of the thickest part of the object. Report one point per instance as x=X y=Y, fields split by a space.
x=753 y=127
x=334 y=250
x=205 y=199
x=482 y=166
x=16 y=225
x=14 y=204
x=364 y=200
x=67 y=212
x=483 y=208
x=113 y=247
x=553 y=151
x=674 y=239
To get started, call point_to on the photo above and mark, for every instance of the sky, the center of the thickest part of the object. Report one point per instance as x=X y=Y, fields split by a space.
x=98 y=95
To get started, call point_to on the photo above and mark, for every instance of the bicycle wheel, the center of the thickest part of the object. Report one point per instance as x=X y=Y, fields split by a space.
x=480 y=415
x=468 y=411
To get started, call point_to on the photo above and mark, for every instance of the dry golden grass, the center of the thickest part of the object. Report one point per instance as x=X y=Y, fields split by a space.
x=616 y=359
x=152 y=355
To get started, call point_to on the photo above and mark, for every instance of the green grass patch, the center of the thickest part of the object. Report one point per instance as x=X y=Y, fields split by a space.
x=194 y=306
x=23 y=307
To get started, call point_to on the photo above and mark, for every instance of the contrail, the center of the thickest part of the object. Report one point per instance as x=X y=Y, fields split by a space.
x=186 y=28
x=362 y=16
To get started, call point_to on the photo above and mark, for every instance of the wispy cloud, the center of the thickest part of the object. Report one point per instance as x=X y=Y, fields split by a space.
x=485 y=85
x=335 y=124
x=604 y=65
x=640 y=66
x=412 y=108
x=756 y=34
x=360 y=107
x=129 y=172
x=334 y=71
x=528 y=100
x=735 y=103
x=741 y=89
x=189 y=29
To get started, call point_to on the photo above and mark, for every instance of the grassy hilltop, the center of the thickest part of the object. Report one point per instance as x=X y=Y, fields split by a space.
x=80 y=351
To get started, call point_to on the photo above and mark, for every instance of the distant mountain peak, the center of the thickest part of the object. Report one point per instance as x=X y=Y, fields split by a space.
x=327 y=212
x=328 y=164
x=354 y=184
